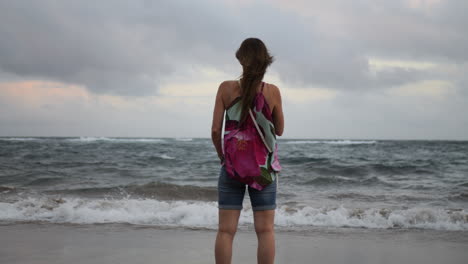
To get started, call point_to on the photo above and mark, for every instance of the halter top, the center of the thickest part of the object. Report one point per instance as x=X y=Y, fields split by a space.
x=265 y=162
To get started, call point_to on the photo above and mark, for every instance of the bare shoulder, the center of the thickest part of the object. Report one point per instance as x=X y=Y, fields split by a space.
x=225 y=90
x=223 y=87
x=227 y=84
x=274 y=90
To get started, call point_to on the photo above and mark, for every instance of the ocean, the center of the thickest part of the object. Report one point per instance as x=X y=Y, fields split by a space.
x=171 y=183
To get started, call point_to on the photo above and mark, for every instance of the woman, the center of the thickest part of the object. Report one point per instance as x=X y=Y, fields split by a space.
x=236 y=98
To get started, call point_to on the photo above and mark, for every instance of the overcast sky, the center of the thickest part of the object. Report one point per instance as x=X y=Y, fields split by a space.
x=361 y=69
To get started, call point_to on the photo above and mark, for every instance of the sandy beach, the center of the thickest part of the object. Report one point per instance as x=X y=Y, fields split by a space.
x=117 y=243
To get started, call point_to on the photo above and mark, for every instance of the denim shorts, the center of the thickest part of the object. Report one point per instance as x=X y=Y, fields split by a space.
x=231 y=194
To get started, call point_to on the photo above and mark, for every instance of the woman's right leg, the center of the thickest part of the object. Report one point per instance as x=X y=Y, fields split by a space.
x=228 y=220
x=264 y=227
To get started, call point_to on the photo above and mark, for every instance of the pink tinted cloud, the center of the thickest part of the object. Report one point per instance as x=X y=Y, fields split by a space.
x=33 y=93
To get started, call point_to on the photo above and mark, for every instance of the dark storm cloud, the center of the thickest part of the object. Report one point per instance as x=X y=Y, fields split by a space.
x=112 y=47
x=130 y=47
x=45 y=39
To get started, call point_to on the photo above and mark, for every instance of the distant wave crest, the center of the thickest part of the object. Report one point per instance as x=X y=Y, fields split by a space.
x=333 y=142
x=94 y=139
x=19 y=138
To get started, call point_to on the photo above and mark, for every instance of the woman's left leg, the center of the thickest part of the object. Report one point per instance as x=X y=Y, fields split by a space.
x=230 y=197
x=264 y=205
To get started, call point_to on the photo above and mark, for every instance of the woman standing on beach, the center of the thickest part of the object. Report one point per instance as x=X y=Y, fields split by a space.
x=236 y=98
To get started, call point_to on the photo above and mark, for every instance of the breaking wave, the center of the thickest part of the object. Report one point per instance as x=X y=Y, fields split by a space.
x=203 y=214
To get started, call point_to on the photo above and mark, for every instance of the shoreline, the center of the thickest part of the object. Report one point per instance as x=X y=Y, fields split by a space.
x=123 y=243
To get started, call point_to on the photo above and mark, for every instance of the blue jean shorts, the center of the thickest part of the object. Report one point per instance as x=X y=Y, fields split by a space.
x=231 y=194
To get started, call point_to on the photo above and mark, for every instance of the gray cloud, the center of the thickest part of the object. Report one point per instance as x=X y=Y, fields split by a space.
x=334 y=53
x=111 y=48
x=432 y=33
x=130 y=48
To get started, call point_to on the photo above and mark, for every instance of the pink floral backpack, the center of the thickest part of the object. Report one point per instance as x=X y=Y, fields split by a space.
x=250 y=149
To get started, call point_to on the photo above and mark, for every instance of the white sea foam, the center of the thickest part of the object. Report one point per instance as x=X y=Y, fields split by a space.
x=335 y=142
x=164 y=156
x=204 y=214
x=18 y=138
x=183 y=139
x=133 y=211
x=94 y=139
x=426 y=218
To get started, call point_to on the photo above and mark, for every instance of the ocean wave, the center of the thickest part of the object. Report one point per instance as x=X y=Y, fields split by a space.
x=304 y=160
x=340 y=180
x=7 y=189
x=92 y=211
x=462 y=196
x=327 y=167
x=387 y=197
x=403 y=168
x=333 y=142
x=159 y=190
x=110 y=139
x=380 y=218
x=197 y=214
x=44 y=181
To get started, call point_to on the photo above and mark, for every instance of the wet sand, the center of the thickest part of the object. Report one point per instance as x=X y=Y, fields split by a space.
x=56 y=243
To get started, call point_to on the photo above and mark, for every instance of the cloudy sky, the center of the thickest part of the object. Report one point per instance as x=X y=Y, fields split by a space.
x=361 y=69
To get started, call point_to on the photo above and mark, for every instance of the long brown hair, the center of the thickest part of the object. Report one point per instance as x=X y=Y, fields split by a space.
x=254 y=57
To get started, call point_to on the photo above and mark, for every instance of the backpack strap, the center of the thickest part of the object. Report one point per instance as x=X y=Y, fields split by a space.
x=264 y=143
x=259 y=131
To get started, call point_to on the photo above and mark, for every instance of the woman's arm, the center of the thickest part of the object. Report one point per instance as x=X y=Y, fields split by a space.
x=277 y=114
x=217 y=125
